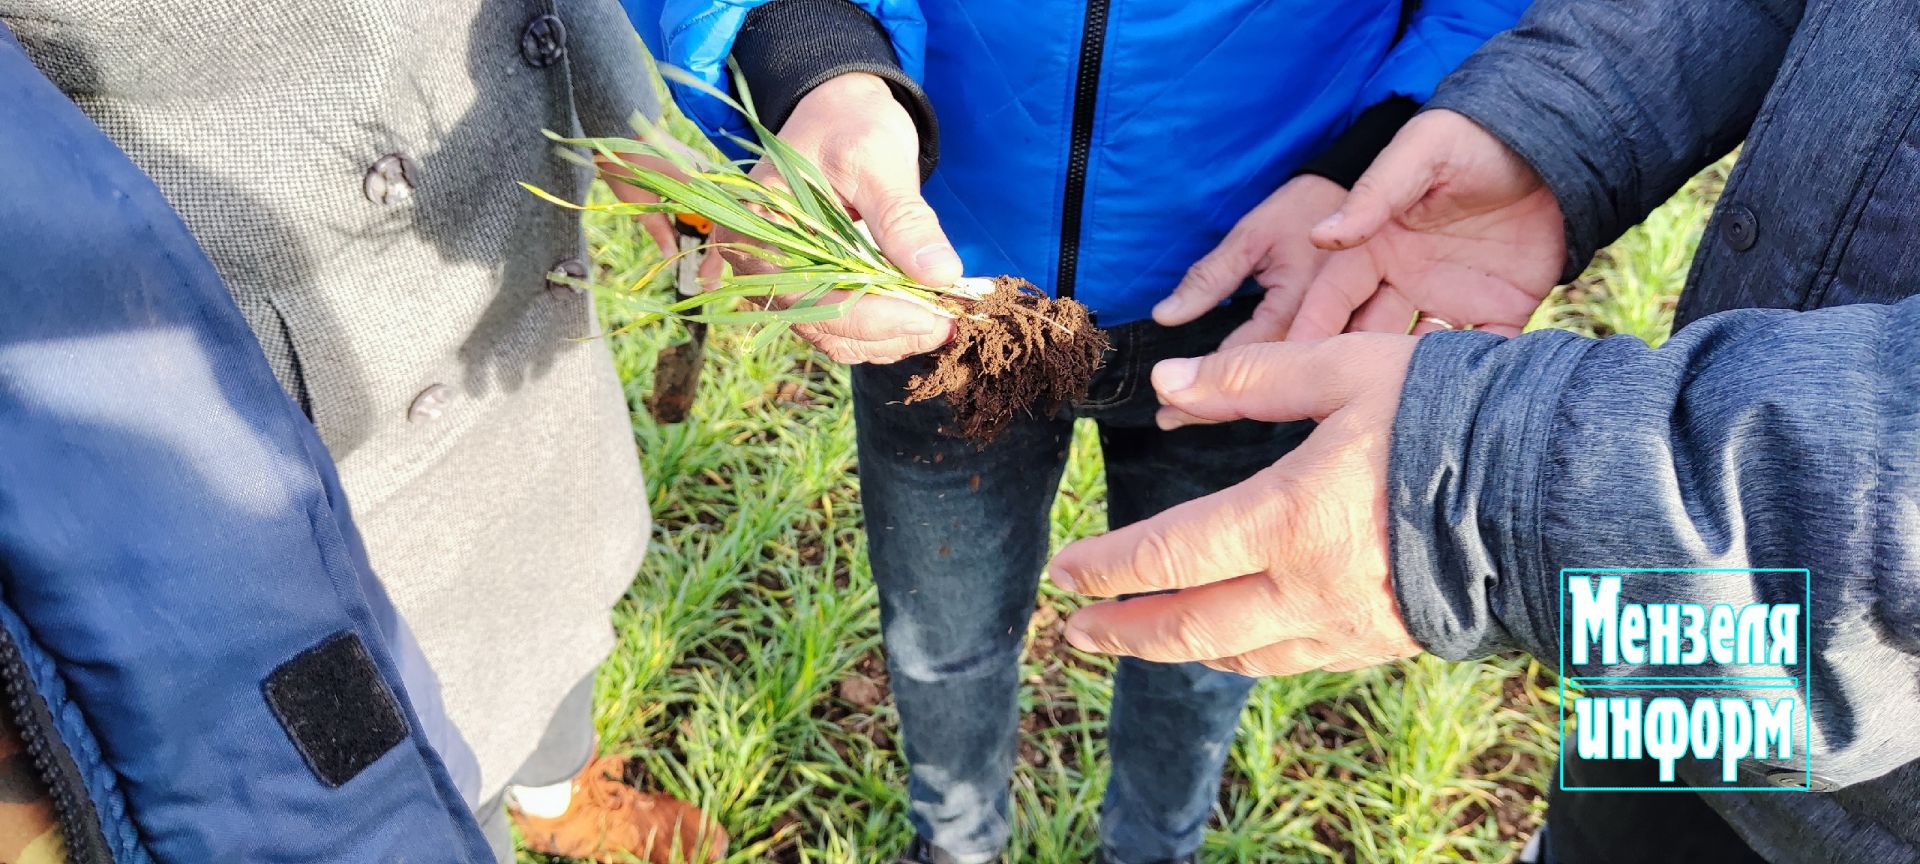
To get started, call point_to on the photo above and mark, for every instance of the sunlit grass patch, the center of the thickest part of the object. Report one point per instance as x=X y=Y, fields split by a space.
x=747 y=675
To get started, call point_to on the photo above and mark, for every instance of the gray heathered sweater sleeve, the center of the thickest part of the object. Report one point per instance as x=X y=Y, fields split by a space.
x=1755 y=438
x=1617 y=104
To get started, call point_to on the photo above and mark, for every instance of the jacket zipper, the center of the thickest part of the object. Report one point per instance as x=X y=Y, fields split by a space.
x=73 y=811
x=1086 y=86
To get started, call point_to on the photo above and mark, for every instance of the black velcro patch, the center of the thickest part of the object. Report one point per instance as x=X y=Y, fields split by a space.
x=337 y=710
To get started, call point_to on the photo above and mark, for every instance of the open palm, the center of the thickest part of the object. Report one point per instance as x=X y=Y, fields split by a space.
x=1448 y=225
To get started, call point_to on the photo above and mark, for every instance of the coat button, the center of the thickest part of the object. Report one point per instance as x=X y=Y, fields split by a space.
x=571 y=268
x=390 y=180
x=430 y=404
x=543 y=42
x=1800 y=780
x=1740 y=228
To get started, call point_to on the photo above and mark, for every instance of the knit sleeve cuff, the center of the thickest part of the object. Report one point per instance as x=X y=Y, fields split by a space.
x=788 y=47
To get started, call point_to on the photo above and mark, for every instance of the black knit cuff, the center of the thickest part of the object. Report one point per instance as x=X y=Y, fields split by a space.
x=788 y=47
x=1370 y=133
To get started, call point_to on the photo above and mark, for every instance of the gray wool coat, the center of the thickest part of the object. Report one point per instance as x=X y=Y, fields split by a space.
x=349 y=167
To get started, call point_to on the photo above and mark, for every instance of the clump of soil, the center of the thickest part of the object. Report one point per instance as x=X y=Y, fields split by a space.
x=1014 y=350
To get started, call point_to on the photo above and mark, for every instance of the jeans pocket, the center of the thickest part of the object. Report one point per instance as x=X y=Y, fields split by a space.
x=1118 y=377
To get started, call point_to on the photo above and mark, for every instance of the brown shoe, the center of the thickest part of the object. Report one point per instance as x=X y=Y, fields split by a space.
x=613 y=823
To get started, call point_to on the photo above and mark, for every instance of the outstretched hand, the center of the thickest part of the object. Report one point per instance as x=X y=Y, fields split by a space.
x=1447 y=224
x=1287 y=571
x=1268 y=245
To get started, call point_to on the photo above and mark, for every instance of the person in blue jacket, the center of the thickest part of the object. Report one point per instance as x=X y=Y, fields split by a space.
x=1106 y=152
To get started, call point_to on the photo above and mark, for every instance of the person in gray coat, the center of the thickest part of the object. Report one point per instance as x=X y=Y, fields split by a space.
x=1455 y=475
x=349 y=168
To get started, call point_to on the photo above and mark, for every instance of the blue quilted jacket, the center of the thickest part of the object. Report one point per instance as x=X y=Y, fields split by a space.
x=1098 y=148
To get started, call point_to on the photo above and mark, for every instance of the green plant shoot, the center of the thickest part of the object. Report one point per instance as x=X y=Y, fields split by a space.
x=797 y=226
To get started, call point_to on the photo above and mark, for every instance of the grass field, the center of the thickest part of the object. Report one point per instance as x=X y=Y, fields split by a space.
x=748 y=675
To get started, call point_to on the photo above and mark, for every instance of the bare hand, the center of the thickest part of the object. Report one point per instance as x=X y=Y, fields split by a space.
x=1448 y=222
x=1269 y=245
x=867 y=146
x=659 y=226
x=1287 y=571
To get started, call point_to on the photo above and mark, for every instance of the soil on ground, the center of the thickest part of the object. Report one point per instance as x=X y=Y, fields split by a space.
x=1015 y=351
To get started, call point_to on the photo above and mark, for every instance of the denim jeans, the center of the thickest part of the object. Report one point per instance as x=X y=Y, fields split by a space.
x=958 y=539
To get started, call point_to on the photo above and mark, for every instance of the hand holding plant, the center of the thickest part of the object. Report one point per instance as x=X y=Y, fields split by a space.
x=805 y=261
x=868 y=151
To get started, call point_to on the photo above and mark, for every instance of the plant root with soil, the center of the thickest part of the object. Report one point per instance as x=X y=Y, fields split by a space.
x=1014 y=350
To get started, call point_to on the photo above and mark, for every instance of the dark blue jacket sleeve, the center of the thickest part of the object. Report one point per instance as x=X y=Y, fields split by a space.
x=1752 y=439
x=174 y=540
x=1617 y=104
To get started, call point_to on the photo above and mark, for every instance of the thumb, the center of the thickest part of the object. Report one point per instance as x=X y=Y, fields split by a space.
x=1272 y=381
x=1395 y=181
x=906 y=229
x=1210 y=280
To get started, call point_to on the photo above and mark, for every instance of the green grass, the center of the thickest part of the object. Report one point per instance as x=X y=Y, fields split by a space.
x=1631 y=286
x=747 y=670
